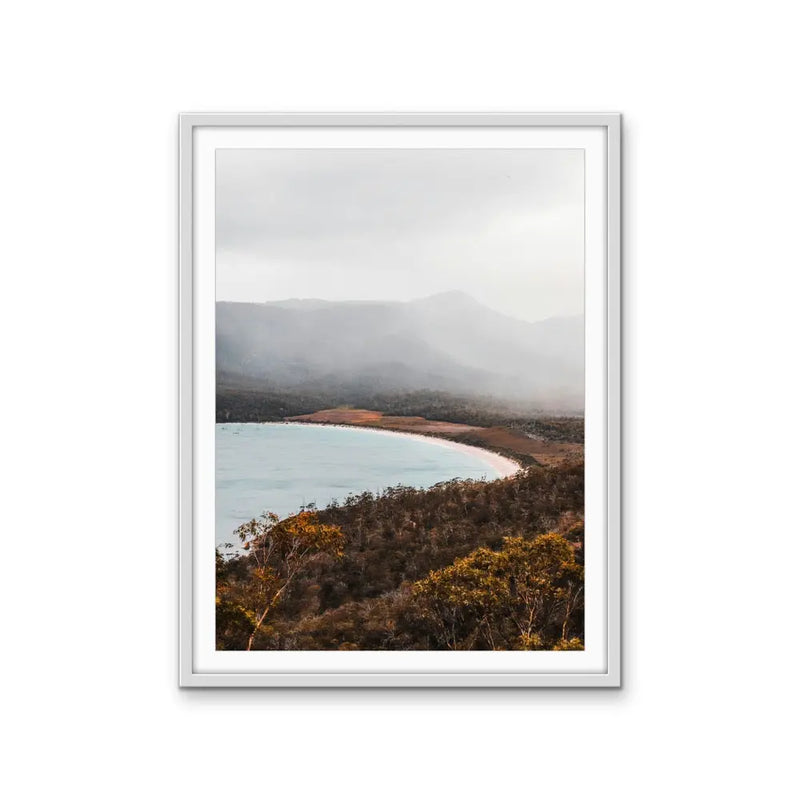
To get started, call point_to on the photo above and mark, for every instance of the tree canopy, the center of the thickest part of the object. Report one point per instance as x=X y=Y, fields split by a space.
x=463 y=565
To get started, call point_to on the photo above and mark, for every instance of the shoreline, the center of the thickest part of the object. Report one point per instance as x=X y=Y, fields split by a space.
x=503 y=464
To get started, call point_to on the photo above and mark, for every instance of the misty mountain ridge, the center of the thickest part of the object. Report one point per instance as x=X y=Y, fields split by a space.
x=453 y=297
x=446 y=342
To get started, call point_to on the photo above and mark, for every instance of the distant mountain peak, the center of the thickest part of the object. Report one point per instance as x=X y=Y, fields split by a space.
x=298 y=303
x=453 y=297
x=446 y=342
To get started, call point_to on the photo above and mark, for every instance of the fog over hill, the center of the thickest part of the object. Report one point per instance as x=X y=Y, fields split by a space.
x=447 y=342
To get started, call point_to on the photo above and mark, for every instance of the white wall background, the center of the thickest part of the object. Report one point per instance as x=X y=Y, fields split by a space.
x=88 y=328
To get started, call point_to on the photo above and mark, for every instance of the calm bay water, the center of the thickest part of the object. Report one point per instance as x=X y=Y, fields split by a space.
x=280 y=467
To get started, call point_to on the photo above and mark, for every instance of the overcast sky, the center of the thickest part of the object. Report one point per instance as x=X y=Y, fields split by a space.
x=505 y=226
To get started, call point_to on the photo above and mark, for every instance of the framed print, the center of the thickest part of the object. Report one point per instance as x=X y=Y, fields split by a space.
x=400 y=399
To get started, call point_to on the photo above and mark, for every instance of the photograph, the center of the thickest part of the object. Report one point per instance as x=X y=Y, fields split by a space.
x=400 y=397
x=390 y=383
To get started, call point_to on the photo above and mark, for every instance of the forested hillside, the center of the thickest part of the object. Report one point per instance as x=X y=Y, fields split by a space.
x=463 y=565
x=236 y=403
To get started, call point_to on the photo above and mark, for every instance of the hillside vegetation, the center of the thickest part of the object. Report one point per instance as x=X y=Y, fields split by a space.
x=251 y=402
x=463 y=565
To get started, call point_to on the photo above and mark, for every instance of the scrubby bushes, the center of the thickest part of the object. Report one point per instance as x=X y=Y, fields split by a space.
x=512 y=547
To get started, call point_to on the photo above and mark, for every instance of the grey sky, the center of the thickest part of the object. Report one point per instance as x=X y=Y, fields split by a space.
x=505 y=226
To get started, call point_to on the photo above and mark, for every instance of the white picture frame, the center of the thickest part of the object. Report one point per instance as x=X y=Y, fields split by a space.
x=307 y=669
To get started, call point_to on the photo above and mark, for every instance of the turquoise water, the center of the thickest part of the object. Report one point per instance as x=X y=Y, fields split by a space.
x=279 y=467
